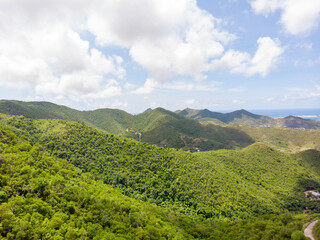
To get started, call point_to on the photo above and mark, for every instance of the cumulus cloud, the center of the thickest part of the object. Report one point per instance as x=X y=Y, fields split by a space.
x=297 y=16
x=166 y=37
x=263 y=61
x=41 y=45
x=151 y=85
x=80 y=86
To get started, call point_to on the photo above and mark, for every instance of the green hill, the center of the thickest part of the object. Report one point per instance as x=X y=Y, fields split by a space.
x=244 y=117
x=111 y=120
x=44 y=197
x=285 y=139
x=149 y=120
x=224 y=184
x=297 y=122
x=232 y=117
x=151 y=126
x=190 y=135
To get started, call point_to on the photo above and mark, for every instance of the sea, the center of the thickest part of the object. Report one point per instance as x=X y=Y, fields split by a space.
x=281 y=113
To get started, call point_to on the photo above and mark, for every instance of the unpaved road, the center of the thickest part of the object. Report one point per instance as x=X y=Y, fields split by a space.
x=308 y=230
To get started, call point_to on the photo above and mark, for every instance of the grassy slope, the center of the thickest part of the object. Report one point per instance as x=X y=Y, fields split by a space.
x=218 y=184
x=292 y=140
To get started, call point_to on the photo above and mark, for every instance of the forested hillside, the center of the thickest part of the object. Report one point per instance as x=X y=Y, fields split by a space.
x=240 y=116
x=158 y=126
x=44 y=197
x=188 y=134
x=111 y=120
x=243 y=117
x=225 y=184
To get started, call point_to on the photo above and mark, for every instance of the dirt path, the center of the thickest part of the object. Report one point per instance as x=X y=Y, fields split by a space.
x=308 y=230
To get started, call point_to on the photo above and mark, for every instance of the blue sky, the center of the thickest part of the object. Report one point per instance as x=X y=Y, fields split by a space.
x=135 y=54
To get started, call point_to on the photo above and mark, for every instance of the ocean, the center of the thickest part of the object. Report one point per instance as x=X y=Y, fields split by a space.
x=280 y=113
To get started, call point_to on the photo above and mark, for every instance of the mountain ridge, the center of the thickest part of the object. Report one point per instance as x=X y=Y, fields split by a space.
x=142 y=127
x=244 y=117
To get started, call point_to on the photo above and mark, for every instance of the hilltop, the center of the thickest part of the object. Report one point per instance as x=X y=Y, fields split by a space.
x=244 y=117
x=190 y=129
x=240 y=117
x=284 y=139
x=112 y=120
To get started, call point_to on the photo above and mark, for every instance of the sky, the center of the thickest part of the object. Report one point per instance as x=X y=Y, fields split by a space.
x=136 y=54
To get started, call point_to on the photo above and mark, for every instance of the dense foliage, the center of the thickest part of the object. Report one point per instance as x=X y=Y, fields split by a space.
x=190 y=135
x=223 y=117
x=111 y=120
x=44 y=197
x=158 y=126
x=219 y=184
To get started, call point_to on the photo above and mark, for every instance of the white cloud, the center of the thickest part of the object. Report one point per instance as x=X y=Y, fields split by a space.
x=148 y=87
x=183 y=86
x=263 y=61
x=119 y=104
x=237 y=89
x=236 y=101
x=313 y=62
x=297 y=95
x=80 y=86
x=309 y=63
x=151 y=85
x=266 y=57
x=186 y=103
x=190 y=101
x=40 y=47
x=315 y=92
x=304 y=45
x=129 y=86
x=297 y=16
x=166 y=37
x=270 y=99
